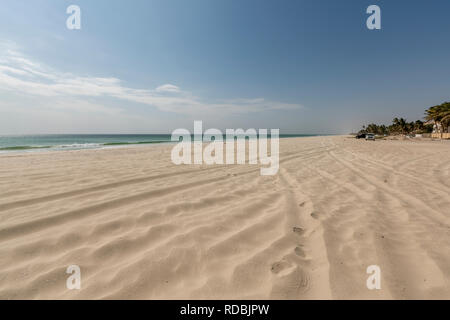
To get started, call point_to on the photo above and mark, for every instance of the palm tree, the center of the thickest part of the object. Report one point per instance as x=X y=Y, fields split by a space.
x=400 y=125
x=418 y=126
x=395 y=125
x=403 y=125
x=372 y=128
x=445 y=114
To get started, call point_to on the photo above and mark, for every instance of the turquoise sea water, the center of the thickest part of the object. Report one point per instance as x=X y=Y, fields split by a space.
x=32 y=143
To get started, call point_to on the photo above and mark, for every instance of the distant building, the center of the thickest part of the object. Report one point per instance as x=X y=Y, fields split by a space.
x=438 y=131
x=437 y=127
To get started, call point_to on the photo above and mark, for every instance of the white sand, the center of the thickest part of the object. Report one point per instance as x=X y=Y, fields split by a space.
x=141 y=227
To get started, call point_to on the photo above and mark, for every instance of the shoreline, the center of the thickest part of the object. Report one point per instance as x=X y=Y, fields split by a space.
x=51 y=150
x=109 y=145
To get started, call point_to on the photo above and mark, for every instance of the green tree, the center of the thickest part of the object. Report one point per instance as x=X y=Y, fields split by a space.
x=399 y=126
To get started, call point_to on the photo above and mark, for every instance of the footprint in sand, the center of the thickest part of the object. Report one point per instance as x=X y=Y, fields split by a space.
x=282 y=268
x=315 y=215
x=298 y=230
x=300 y=252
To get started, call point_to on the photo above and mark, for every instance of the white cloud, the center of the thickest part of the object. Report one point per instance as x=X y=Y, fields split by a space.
x=21 y=75
x=168 y=88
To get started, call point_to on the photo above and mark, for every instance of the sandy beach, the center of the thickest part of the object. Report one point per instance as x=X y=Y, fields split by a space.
x=141 y=227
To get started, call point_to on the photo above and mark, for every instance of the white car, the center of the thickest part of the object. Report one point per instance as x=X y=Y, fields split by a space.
x=370 y=136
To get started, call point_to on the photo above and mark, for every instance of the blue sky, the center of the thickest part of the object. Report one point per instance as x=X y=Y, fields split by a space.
x=145 y=66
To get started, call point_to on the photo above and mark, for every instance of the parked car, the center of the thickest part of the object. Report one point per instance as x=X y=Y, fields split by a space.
x=370 y=136
x=360 y=136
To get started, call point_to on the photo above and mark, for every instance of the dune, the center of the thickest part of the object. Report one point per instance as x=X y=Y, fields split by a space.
x=140 y=227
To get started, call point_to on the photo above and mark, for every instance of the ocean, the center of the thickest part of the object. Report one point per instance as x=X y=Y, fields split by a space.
x=55 y=142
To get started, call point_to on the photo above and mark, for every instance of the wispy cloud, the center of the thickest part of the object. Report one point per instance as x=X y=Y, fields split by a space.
x=23 y=75
x=167 y=88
